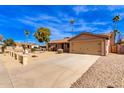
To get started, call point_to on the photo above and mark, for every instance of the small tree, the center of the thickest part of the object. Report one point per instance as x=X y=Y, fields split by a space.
x=43 y=35
x=9 y=42
x=1 y=38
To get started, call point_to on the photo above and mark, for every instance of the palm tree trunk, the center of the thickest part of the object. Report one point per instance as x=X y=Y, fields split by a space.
x=27 y=41
x=47 y=46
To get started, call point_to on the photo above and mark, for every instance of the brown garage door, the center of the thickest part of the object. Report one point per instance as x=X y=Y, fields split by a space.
x=89 y=47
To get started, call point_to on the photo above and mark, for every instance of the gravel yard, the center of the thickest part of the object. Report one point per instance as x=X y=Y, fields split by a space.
x=108 y=71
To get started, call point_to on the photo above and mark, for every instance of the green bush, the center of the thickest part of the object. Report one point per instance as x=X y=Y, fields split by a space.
x=34 y=56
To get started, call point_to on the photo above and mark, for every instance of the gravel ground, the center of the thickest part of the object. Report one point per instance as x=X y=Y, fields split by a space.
x=108 y=71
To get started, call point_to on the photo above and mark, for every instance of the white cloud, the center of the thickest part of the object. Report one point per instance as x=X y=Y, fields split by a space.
x=115 y=7
x=99 y=23
x=41 y=17
x=103 y=31
x=40 y=20
x=79 y=9
x=84 y=8
x=60 y=30
x=86 y=28
x=28 y=22
x=82 y=26
x=56 y=32
x=121 y=15
x=90 y=23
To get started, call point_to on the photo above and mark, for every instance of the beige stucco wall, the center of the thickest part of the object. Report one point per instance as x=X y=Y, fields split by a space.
x=107 y=46
x=103 y=48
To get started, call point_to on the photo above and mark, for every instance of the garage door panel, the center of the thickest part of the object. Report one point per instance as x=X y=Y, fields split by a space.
x=87 y=47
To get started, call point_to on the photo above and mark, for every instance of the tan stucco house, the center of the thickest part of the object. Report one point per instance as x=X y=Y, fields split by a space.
x=86 y=43
x=19 y=44
x=62 y=43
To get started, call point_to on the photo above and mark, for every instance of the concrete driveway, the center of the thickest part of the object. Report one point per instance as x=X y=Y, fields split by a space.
x=5 y=80
x=58 y=71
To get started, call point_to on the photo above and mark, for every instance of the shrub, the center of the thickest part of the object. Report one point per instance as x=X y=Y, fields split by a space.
x=3 y=48
x=34 y=56
x=59 y=51
x=33 y=49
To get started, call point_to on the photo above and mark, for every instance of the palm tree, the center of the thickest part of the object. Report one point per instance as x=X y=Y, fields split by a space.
x=43 y=35
x=72 y=24
x=116 y=19
x=27 y=35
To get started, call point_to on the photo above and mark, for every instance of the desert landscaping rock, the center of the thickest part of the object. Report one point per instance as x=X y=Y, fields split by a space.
x=107 y=72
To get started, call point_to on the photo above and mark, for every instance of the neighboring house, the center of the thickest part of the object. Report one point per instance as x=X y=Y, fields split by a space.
x=35 y=46
x=30 y=45
x=42 y=46
x=86 y=43
x=1 y=45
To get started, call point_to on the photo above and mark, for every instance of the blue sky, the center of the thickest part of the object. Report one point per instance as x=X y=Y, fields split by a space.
x=97 y=19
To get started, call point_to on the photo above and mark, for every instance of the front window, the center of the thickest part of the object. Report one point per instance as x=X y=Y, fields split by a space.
x=68 y=45
x=62 y=46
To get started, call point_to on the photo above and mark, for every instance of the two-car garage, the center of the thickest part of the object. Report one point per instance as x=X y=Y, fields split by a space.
x=87 y=43
x=87 y=47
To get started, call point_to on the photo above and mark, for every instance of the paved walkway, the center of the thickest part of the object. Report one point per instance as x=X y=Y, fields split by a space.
x=5 y=81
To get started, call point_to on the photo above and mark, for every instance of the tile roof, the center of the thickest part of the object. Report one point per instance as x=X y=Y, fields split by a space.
x=20 y=43
x=65 y=40
x=97 y=35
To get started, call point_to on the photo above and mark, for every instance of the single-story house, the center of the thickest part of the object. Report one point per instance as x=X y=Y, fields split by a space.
x=62 y=43
x=29 y=45
x=1 y=45
x=86 y=43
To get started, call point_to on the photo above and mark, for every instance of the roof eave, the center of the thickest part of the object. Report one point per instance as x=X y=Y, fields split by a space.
x=102 y=36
